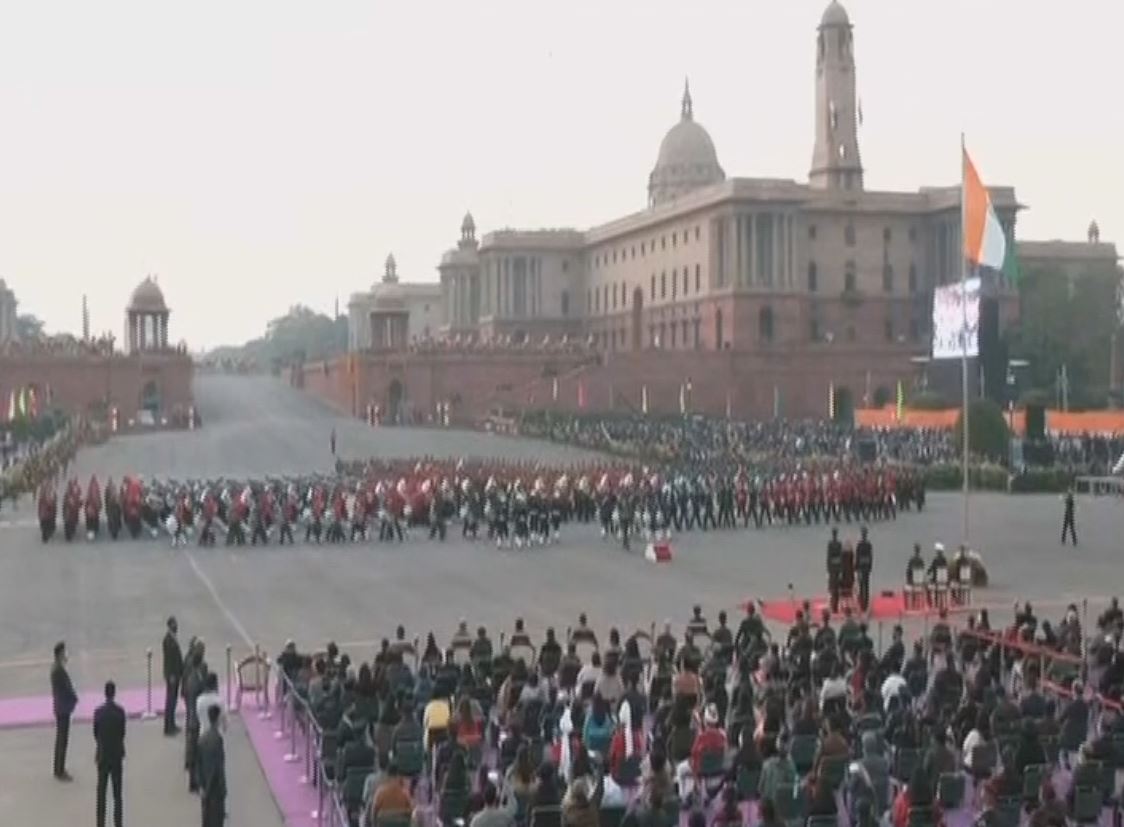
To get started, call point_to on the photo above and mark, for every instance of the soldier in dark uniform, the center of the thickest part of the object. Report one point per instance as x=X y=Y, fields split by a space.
x=437 y=515
x=864 y=563
x=173 y=673
x=290 y=510
x=1069 y=521
x=847 y=573
x=834 y=568
x=257 y=518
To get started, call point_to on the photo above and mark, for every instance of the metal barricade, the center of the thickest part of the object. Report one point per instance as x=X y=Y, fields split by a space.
x=148 y=714
x=306 y=739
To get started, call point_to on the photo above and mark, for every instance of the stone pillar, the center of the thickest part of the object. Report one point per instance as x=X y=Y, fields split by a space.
x=791 y=248
x=779 y=265
x=751 y=274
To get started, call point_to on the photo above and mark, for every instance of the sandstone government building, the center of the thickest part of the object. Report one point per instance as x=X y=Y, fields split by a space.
x=761 y=296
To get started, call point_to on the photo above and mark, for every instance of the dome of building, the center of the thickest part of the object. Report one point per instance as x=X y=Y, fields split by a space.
x=687 y=159
x=468 y=226
x=835 y=15
x=148 y=297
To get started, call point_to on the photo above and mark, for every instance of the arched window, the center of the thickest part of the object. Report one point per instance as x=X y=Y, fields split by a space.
x=685 y=281
x=912 y=277
x=565 y=303
x=765 y=323
x=698 y=277
x=663 y=285
x=849 y=235
x=813 y=277
x=849 y=277
x=652 y=293
x=887 y=278
x=674 y=282
x=718 y=332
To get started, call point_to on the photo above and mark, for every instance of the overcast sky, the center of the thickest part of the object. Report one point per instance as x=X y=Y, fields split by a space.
x=258 y=153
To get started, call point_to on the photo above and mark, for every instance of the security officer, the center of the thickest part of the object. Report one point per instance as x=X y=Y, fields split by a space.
x=109 y=734
x=864 y=562
x=834 y=568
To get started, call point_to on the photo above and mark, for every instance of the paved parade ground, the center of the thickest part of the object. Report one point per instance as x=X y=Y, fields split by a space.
x=109 y=600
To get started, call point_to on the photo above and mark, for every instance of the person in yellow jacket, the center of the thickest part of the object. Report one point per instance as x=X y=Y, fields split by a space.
x=435 y=722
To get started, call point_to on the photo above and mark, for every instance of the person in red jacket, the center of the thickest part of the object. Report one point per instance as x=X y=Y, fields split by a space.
x=710 y=741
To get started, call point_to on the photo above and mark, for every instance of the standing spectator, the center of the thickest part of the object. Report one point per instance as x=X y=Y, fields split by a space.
x=64 y=700
x=109 y=733
x=212 y=771
x=173 y=673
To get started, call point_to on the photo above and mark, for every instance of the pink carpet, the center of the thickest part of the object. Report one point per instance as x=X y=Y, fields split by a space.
x=297 y=801
x=37 y=711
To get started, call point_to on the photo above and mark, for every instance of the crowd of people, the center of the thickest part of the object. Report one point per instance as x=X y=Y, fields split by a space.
x=38 y=463
x=699 y=440
x=724 y=725
x=513 y=505
x=1095 y=454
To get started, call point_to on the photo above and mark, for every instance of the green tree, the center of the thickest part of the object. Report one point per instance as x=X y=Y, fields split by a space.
x=300 y=335
x=29 y=327
x=1067 y=319
x=988 y=436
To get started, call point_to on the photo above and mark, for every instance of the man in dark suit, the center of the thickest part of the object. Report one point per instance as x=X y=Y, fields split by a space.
x=109 y=733
x=212 y=771
x=173 y=674
x=64 y=700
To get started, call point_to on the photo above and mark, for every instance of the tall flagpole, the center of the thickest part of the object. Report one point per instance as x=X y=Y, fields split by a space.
x=964 y=337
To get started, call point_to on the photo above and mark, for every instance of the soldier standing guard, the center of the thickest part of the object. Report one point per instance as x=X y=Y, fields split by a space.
x=864 y=563
x=834 y=568
x=1069 y=521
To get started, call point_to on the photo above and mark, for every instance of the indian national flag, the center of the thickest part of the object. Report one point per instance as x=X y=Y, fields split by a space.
x=985 y=244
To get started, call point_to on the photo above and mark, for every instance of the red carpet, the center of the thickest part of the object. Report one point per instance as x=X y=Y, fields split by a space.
x=882 y=607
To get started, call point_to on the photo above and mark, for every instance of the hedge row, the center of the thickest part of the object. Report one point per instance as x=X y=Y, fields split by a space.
x=988 y=477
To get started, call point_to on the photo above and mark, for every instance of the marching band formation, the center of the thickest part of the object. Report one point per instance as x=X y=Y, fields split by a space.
x=514 y=506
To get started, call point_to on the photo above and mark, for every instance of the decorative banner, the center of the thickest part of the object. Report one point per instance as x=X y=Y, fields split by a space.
x=682 y=400
x=901 y=401
x=831 y=401
x=644 y=400
x=554 y=390
x=581 y=394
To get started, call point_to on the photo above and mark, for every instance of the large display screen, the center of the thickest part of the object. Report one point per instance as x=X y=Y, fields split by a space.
x=956 y=320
